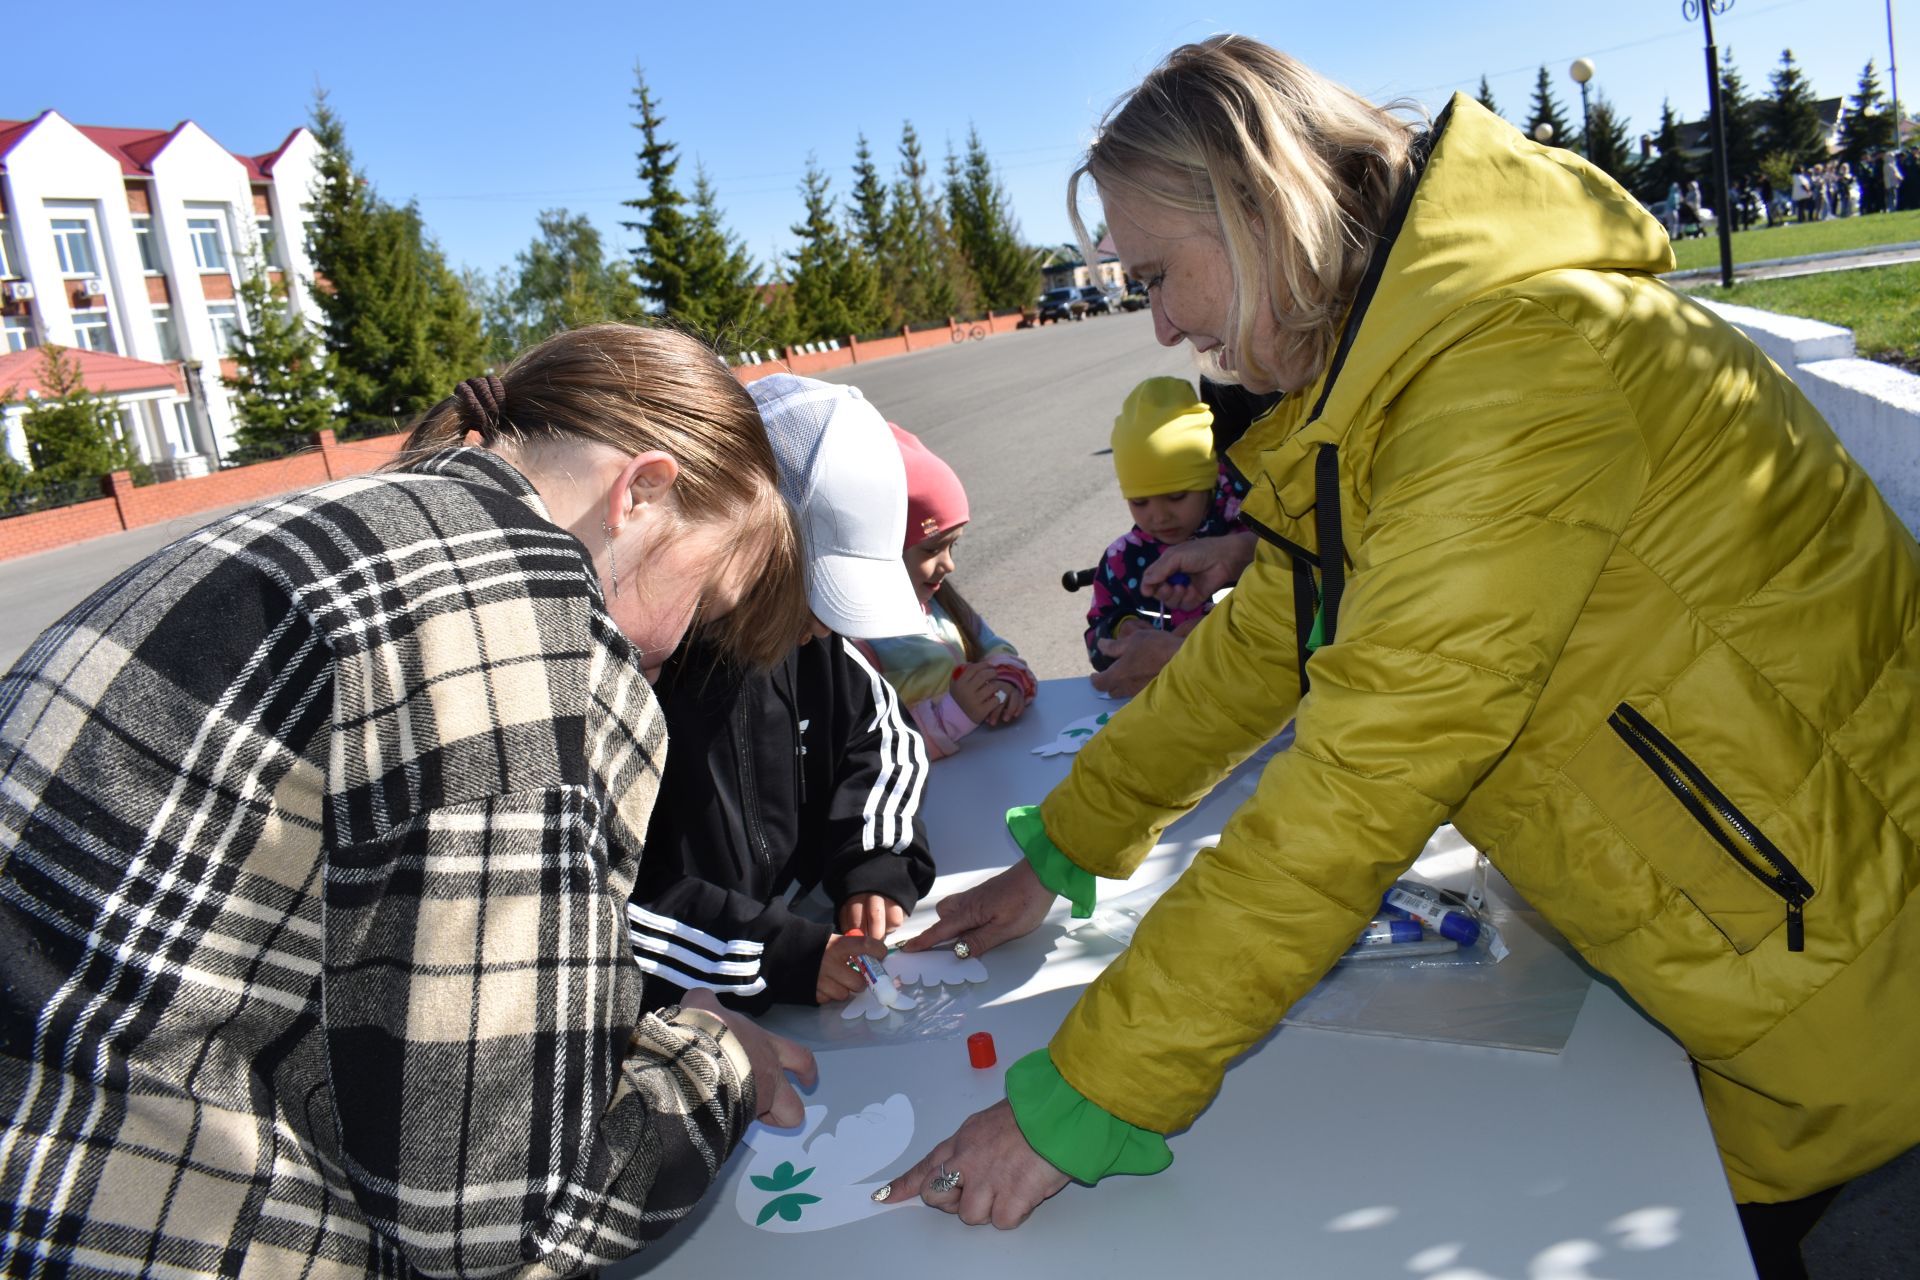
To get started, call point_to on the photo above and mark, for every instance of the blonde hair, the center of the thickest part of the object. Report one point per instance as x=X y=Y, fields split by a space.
x=636 y=388
x=1300 y=173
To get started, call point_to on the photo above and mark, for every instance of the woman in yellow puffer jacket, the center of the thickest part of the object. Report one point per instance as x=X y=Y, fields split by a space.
x=1579 y=570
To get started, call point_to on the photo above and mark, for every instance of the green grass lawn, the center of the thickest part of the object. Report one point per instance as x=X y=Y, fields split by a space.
x=1880 y=304
x=1792 y=240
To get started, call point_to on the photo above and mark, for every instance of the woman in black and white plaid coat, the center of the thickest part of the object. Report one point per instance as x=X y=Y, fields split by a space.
x=317 y=830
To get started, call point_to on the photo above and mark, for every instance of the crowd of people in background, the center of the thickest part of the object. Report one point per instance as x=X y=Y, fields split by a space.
x=1883 y=182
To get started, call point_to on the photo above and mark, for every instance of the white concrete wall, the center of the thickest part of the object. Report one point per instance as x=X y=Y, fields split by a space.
x=1874 y=408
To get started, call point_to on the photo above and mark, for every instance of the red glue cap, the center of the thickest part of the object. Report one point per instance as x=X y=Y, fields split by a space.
x=980 y=1049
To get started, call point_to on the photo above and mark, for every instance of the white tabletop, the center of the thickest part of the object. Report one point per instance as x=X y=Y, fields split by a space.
x=1327 y=1154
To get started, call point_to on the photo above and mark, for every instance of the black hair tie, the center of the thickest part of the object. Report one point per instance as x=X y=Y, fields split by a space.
x=483 y=404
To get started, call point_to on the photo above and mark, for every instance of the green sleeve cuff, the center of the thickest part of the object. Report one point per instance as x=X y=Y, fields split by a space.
x=1075 y=1136
x=1056 y=870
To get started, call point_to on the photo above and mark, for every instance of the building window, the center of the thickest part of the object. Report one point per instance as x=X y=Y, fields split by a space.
x=93 y=332
x=7 y=268
x=73 y=241
x=183 y=435
x=20 y=334
x=226 y=325
x=269 y=241
x=163 y=329
x=209 y=248
x=143 y=236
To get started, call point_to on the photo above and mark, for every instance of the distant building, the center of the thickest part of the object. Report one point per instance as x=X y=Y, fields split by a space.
x=1065 y=268
x=132 y=242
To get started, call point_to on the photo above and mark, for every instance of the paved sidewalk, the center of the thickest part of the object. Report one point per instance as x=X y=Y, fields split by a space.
x=1885 y=255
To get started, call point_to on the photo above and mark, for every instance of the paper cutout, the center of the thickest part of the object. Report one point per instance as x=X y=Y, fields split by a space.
x=875 y=1003
x=836 y=1169
x=1075 y=735
x=938 y=967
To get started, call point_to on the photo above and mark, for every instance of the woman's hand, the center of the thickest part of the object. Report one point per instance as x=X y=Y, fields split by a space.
x=1137 y=658
x=873 y=914
x=840 y=977
x=973 y=690
x=1009 y=906
x=772 y=1057
x=1002 y=1179
x=1208 y=563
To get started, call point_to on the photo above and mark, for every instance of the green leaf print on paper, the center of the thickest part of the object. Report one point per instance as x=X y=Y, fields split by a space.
x=783 y=1178
x=787 y=1206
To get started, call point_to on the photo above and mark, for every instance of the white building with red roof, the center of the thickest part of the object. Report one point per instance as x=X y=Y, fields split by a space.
x=133 y=242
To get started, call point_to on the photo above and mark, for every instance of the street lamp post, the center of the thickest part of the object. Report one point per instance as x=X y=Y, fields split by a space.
x=1704 y=10
x=1582 y=71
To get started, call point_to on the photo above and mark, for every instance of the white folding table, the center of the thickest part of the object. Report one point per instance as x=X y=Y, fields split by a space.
x=1326 y=1154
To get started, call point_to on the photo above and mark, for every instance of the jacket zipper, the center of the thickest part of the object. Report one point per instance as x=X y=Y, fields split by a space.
x=1742 y=840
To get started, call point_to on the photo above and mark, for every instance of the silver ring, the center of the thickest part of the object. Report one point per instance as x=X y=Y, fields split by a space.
x=1000 y=696
x=961 y=950
x=945 y=1181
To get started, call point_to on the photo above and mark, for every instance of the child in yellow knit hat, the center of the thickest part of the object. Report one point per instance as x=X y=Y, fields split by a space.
x=1176 y=490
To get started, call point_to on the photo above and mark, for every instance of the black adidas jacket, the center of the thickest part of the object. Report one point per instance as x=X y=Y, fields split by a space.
x=811 y=774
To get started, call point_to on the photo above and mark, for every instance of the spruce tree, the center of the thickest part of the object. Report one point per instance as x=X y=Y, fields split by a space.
x=869 y=203
x=1791 y=116
x=1004 y=274
x=662 y=225
x=1485 y=96
x=1547 y=110
x=921 y=266
x=1609 y=143
x=1668 y=165
x=1868 y=125
x=399 y=329
x=73 y=436
x=834 y=289
x=723 y=301
x=281 y=389
x=1740 y=114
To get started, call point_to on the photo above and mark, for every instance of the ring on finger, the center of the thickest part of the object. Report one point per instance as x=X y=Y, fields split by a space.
x=946 y=1180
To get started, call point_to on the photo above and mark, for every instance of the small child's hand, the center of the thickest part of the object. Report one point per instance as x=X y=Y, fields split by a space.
x=874 y=914
x=973 y=690
x=1011 y=710
x=840 y=977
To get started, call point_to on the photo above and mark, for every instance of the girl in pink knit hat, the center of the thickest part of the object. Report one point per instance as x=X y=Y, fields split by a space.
x=956 y=674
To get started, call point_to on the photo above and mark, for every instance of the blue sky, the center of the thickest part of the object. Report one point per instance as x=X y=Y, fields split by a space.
x=489 y=117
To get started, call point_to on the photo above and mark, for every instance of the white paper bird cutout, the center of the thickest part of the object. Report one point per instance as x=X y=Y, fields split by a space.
x=794 y=1184
x=1075 y=735
x=938 y=967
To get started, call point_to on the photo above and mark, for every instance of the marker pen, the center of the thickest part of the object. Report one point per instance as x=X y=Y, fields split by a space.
x=1456 y=926
x=869 y=968
x=1380 y=933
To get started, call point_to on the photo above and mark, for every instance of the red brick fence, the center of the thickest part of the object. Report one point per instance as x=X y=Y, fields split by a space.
x=123 y=506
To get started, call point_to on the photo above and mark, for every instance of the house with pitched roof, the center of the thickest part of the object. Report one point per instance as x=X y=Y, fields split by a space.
x=132 y=243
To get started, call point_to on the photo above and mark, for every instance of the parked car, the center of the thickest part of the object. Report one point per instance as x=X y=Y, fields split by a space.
x=1096 y=301
x=1061 y=304
x=1135 y=298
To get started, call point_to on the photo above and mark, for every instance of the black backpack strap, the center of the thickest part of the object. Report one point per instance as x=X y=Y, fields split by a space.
x=1326 y=527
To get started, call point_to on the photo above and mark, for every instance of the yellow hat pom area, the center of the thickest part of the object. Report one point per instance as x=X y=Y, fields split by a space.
x=1163 y=440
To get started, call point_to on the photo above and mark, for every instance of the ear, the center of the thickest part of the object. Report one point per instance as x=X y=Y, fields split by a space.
x=645 y=479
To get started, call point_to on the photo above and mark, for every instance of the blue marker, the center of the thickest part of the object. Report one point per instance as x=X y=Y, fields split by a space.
x=1386 y=932
x=1455 y=926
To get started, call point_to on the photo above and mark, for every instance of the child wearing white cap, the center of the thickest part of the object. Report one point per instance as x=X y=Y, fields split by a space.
x=1176 y=489
x=809 y=776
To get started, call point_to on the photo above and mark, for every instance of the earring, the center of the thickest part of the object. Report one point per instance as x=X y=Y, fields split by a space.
x=613 y=566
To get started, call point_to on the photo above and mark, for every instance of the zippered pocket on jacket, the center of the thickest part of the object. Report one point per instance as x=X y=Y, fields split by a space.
x=1742 y=841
